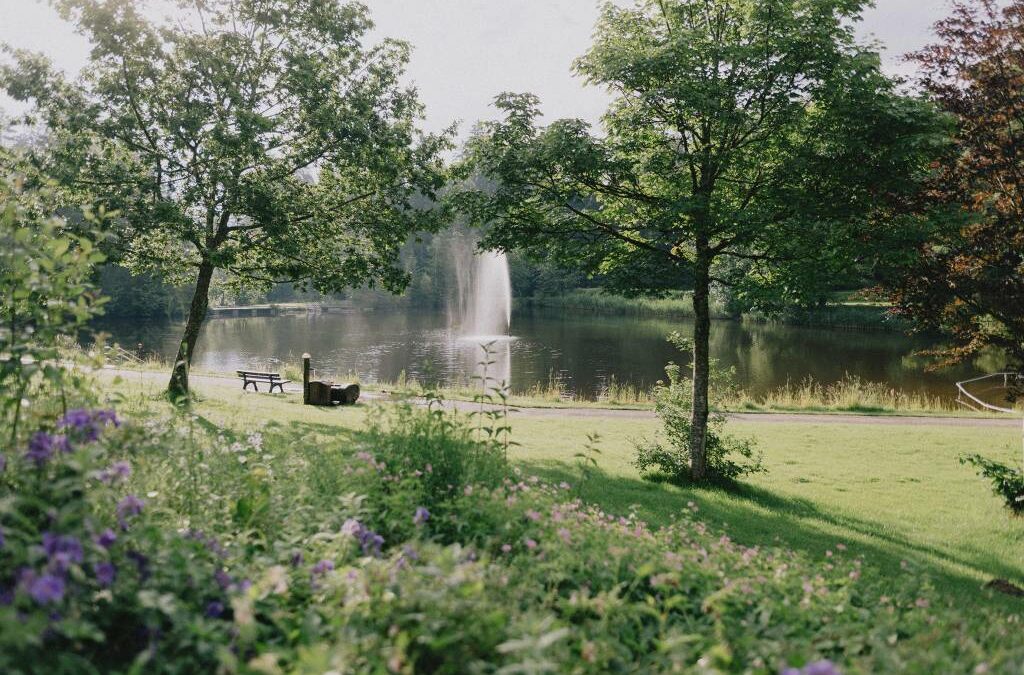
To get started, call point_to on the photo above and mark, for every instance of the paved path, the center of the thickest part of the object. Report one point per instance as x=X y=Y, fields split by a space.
x=161 y=378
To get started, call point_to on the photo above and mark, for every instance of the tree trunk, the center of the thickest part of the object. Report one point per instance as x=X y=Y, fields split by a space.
x=178 y=386
x=701 y=371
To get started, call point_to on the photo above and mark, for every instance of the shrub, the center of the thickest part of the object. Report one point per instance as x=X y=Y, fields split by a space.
x=1007 y=481
x=45 y=293
x=88 y=580
x=727 y=457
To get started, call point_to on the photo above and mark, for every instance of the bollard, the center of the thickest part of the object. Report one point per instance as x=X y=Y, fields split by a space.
x=305 y=379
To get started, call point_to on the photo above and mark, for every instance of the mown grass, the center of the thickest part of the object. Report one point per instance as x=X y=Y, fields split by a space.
x=893 y=493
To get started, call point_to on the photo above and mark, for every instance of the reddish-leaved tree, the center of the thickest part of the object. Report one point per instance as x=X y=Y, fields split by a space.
x=967 y=280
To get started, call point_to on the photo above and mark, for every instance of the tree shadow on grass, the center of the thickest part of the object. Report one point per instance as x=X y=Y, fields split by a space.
x=754 y=516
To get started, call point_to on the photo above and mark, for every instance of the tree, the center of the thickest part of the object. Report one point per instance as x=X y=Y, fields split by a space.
x=260 y=137
x=750 y=143
x=967 y=278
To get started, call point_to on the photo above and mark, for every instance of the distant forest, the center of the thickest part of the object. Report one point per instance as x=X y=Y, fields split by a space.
x=428 y=260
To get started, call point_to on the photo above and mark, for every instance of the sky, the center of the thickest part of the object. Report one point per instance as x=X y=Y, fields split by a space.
x=468 y=51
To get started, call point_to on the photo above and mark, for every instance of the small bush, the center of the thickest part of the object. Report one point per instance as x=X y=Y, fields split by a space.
x=728 y=457
x=88 y=581
x=1007 y=481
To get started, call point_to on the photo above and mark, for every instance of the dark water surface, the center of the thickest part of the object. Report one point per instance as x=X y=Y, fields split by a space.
x=581 y=351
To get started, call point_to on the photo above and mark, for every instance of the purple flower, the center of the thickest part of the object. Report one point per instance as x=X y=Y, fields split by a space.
x=421 y=516
x=116 y=472
x=42 y=446
x=214 y=609
x=141 y=563
x=297 y=559
x=105 y=573
x=127 y=507
x=46 y=589
x=824 y=667
x=87 y=424
x=62 y=551
x=370 y=541
x=3 y=462
x=322 y=567
x=106 y=538
x=2 y=540
x=223 y=579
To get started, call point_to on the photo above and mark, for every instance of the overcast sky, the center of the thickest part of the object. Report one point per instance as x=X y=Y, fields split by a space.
x=467 y=51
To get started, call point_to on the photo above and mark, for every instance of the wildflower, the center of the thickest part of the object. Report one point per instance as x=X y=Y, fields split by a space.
x=824 y=667
x=421 y=516
x=85 y=424
x=105 y=573
x=127 y=507
x=141 y=563
x=530 y=544
x=410 y=553
x=3 y=462
x=62 y=550
x=322 y=567
x=106 y=538
x=533 y=515
x=505 y=548
x=922 y=603
x=564 y=534
x=214 y=609
x=223 y=579
x=371 y=542
x=296 y=559
x=46 y=589
x=42 y=446
x=117 y=471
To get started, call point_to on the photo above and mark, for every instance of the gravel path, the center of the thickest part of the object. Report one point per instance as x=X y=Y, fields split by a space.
x=618 y=413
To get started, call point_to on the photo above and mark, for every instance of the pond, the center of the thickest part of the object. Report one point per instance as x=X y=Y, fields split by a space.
x=582 y=352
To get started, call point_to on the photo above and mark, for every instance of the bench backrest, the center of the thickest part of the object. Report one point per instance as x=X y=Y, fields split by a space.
x=255 y=375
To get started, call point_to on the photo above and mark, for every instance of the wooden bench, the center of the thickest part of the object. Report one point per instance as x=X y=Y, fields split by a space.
x=253 y=376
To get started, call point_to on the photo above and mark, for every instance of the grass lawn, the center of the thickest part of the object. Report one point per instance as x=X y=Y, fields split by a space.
x=894 y=494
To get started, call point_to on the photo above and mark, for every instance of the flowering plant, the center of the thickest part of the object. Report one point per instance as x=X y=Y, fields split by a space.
x=86 y=578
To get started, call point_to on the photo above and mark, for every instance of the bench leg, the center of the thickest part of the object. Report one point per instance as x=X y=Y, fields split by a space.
x=280 y=387
x=247 y=383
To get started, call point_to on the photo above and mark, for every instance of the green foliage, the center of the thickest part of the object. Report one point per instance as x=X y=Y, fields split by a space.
x=45 y=294
x=332 y=565
x=89 y=581
x=728 y=458
x=750 y=143
x=262 y=139
x=1007 y=481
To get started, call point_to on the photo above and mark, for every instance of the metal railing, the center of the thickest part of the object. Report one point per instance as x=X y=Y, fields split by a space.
x=969 y=400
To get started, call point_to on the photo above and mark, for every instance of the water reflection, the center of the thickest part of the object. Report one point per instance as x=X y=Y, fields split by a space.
x=582 y=352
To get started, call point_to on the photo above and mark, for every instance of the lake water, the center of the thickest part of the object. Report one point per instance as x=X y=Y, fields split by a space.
x=583 y=352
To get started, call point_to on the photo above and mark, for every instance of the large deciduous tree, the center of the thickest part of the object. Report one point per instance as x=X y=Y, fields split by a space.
x=259 y=137
x=967 y=279
x=750 y=143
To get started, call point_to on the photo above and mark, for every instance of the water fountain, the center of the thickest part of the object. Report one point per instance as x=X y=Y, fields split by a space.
x=483 y=308
x=482 y=311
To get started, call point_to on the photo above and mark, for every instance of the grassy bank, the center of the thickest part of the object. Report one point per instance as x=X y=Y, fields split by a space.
x=248 y=533
x=840 y=313
x=893 y=494
x=849 y=395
